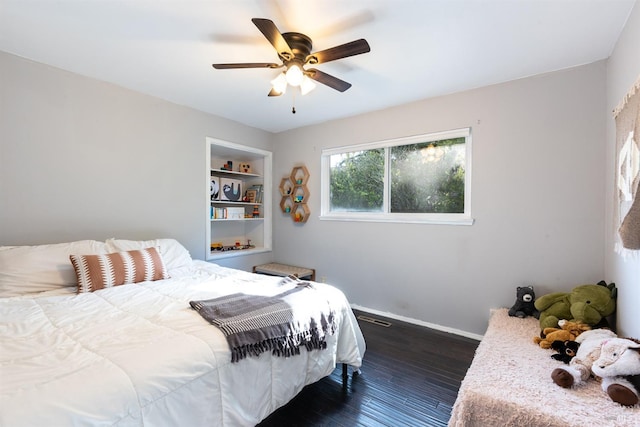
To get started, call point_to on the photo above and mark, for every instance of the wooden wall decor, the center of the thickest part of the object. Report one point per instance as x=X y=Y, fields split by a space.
x=295 y=194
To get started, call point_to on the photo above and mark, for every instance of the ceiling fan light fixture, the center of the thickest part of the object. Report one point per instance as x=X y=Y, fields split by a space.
x=307 y=85
x=294 y=75
x=279 y=84
x=294 y=52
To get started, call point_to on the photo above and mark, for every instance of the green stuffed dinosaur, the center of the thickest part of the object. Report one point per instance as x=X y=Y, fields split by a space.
x=588 y=304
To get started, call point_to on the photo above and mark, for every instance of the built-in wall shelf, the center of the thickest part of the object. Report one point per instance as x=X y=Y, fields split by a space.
x=239 y=201
x=227 y=172
x=232 y=219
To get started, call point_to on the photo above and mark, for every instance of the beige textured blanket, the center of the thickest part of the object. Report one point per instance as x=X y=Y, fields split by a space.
x=509 y=384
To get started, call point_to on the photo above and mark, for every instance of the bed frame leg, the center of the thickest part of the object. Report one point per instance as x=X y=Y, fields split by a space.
x=345 y=375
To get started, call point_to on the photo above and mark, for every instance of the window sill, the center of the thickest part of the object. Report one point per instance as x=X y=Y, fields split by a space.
x=440 y=219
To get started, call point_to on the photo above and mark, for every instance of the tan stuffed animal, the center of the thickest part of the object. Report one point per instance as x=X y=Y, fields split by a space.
x=568 y=331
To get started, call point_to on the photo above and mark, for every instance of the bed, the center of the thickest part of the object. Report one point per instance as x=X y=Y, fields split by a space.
x=509 y=384
x=138 y=354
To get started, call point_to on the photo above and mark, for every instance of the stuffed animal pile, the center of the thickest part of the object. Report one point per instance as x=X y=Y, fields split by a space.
x=574 y=324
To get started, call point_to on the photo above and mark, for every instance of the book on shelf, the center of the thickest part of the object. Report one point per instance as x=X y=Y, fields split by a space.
x=227 y=213
x=219 y=213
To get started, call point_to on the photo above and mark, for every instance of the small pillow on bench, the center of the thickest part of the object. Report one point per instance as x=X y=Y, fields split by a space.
x=96 y=272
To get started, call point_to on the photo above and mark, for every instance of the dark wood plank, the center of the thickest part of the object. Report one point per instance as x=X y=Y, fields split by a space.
x=410 y=377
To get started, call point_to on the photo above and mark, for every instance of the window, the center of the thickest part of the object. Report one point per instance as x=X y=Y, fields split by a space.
x=424 y=178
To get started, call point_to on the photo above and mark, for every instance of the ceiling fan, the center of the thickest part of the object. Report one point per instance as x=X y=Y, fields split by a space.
x=294 y=50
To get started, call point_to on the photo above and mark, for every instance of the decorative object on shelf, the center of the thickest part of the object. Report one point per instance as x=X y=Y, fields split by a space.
x=256 y=211
x=237 y=246
x=227 y=166
x=235 y=213
x=231 y=189
x=252 y=196
x=215 y=188
x=300 y=212
x=294 y=194
x=244 y=168
x=259 y=192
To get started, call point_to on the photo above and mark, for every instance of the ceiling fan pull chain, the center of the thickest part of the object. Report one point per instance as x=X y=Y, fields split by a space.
x=293 y=103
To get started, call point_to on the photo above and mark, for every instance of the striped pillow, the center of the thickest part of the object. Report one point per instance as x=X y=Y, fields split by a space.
x=96 y=272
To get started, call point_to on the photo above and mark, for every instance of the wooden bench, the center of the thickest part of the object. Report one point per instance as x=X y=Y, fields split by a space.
x=277 y=269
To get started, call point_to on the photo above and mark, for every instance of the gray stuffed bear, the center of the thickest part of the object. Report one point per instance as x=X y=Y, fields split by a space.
x=523 y=307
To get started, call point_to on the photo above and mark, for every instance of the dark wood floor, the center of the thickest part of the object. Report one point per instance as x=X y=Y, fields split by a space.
x=410 y=377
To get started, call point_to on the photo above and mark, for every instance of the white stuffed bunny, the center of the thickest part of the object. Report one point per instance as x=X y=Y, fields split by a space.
x=619 y=368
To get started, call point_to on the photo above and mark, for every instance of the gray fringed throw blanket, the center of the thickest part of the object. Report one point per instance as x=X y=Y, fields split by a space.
x=253 y=324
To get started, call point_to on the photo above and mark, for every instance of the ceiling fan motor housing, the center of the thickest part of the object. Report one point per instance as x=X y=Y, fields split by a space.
x=300 y=45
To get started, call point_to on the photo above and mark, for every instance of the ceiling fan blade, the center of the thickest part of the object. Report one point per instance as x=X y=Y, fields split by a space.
x=328 y=79
x=274 y=92
x=271 y=32
x=355 y=47
x=246 y=65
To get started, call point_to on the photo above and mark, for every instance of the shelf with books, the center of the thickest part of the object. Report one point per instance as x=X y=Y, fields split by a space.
x=239 y=198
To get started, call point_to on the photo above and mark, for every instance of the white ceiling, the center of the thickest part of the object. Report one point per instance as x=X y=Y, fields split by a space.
x=419 y=48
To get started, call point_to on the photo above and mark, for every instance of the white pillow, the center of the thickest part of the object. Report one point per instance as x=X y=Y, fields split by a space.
x=28 y=270
x=174 y=255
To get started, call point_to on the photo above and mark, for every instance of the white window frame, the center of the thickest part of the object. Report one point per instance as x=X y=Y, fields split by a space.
x=387 y=216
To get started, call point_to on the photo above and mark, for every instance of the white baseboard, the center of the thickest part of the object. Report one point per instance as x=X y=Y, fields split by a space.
x=418 y=322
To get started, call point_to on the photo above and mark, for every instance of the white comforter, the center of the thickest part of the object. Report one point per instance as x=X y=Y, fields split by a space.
x=138 y=355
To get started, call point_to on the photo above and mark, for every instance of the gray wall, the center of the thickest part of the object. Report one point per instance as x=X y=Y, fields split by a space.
x=537 y=199
x=623 y=69
x=83 y=159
